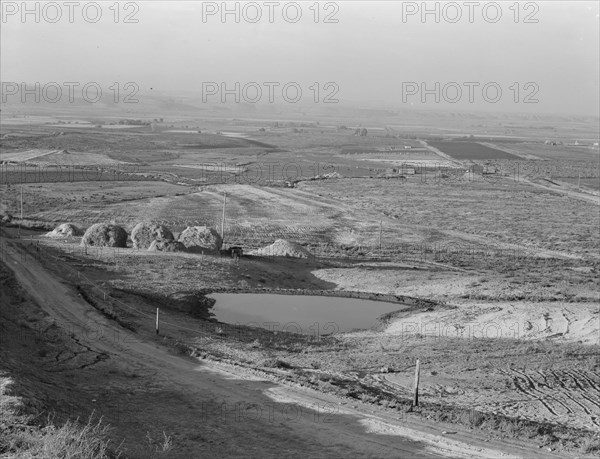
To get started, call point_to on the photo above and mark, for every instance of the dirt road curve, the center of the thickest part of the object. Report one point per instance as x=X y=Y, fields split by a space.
x=179 y=395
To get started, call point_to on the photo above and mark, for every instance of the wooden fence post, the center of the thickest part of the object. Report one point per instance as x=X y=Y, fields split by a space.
x=417 y=374
x=157 y=321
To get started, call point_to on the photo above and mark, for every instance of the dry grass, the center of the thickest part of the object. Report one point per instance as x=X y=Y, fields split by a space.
x=31 y=224
x=429 y=209
x=21 y=438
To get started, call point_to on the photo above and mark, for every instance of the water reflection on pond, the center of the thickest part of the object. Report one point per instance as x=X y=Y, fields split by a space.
x=299 y=313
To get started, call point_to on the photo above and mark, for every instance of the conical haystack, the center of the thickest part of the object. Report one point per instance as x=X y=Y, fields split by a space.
x=64 y=230
x=283 y=248
x=105 y=235
x=143 y=234
x=200 y=238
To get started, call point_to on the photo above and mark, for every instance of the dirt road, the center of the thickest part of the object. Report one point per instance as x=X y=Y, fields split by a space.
x=216 y=410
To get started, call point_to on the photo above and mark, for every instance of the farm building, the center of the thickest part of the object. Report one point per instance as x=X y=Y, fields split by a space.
x=406 y=170
x=393 y=173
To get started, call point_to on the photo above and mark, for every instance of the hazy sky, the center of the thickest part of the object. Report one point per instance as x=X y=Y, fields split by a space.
x=371 y=53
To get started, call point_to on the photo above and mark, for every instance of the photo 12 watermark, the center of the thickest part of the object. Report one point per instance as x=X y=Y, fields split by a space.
x=470 y=12
x=253 y=92
x=69 y=12
x=261 y=172
x=270 y=12
x=22 y=173
x=270 y=412
x=313 y=331
x=471 y=92
x=285 y=173
x=70 y=92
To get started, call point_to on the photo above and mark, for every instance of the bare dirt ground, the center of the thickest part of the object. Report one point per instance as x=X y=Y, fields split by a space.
x=382 y=360
x=142 y=388
x=500 y=274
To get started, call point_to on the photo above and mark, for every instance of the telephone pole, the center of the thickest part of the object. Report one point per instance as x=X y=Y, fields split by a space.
x=21 y=212
x=223 y=218
x=157 y=324
x=416 y=385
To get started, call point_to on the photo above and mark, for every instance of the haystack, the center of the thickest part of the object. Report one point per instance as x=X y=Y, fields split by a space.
x=283 y=248
x=200 y=238
x=143 y=234
x=166 y=246
x=5 y=217
x=65 y=230
x=105 y=235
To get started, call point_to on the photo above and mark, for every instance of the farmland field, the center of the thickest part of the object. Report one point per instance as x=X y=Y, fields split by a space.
x=589 y=182
x=517 y=249
x=470 y=150
x=541 y=150
x=311 y=230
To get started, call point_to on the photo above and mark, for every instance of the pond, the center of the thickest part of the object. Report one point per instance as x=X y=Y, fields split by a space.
x=309 y=315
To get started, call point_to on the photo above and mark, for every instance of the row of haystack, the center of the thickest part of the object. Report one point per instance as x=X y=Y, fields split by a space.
x=150 y=236
x=158 y=238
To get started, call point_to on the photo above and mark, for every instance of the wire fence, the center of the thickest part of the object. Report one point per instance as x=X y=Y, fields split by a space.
x=66 y=254
x=34 y=251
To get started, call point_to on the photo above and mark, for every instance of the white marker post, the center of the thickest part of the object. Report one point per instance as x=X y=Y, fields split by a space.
x=223 y=219
x=417 y=374
x=157 y=321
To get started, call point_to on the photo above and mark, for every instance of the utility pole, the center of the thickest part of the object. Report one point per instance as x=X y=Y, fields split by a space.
x=380 y=229
x=578 y=184
x=416 y=387
x=223 y=218
x=157 y=321
x=21 y=212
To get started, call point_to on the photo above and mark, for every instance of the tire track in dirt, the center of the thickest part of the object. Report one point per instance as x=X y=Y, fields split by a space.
x=516 y=380
x=566 y=393
x=584 y=394
x=589 y=381
x=565 y=398
x=567 y=390
x=195 y=383
x=584 y=390
x=533 y=386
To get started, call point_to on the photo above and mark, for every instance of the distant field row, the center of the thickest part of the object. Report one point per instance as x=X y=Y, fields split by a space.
x=593 y=183
x=553 y=168
x=471 y=150
x=501 y=211
x=552 y=152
